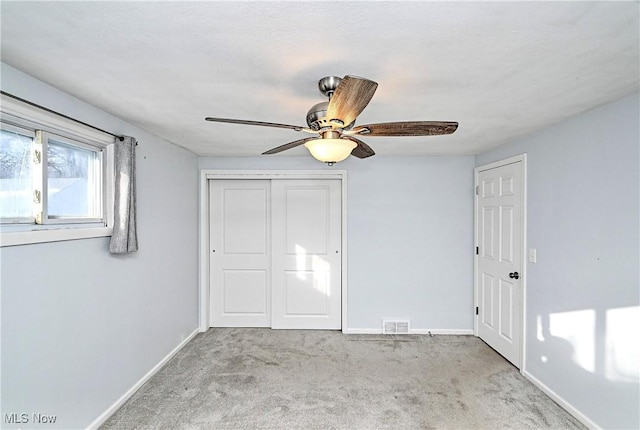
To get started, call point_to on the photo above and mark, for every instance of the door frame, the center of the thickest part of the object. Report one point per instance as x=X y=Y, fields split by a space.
x=522 y=158
x=203 y=240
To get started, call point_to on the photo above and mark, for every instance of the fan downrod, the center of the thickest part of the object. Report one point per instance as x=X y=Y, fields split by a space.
x=328 y=85
x=317 y=115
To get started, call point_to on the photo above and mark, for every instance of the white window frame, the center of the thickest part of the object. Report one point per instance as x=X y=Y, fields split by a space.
x=27 y=133
x=43 y=139
x=19 y=114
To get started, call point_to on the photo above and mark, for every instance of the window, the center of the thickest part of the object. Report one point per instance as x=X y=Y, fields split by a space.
x=56 y=179
x=15 y=174
x=49 y=179
x=72 y=179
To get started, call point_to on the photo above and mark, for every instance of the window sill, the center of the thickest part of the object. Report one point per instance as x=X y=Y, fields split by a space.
x=53 y=235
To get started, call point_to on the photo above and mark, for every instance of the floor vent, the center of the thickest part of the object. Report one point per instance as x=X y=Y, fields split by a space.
x=395 y=326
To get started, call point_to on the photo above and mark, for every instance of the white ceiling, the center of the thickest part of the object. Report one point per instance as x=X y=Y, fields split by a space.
x=501 y=69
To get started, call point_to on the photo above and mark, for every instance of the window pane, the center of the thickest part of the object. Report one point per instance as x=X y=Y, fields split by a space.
x=15 y=175
x=74 y=181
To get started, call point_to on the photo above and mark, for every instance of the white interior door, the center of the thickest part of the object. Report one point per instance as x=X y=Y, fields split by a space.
x=500 y=240
x=240 y=253
x=306 y=263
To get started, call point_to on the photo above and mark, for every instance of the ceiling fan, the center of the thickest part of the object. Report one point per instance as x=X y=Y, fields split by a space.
x=333 y=122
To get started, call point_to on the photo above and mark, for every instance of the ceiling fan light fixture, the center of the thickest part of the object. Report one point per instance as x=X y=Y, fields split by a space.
x=330 y=150
x=334 y=121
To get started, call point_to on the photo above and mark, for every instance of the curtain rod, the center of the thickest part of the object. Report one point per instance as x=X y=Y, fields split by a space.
x=120 y=138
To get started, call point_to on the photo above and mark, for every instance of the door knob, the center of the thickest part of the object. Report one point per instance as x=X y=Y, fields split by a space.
x=514 y=275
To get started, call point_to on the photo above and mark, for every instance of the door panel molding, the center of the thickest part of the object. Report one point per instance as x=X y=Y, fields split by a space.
x=206 y=175
x=506 y=188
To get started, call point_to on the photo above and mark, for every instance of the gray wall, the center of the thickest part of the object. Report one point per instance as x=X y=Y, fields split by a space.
x=80 y=326
x=583 y=311
x=410 y=236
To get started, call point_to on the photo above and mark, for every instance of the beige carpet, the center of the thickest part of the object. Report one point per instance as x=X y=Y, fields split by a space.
x=268 y=379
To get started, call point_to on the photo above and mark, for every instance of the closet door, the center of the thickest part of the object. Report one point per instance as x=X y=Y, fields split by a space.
x=306 y=254
x=239 y=256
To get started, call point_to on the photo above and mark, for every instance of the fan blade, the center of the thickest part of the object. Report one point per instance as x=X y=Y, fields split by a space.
x=362 y=150
x=264 y=124
x=407 y=128
x=289 y=145
x=350 y=98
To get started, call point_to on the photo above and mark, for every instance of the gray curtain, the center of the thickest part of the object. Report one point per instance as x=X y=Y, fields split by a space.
x=124 y=238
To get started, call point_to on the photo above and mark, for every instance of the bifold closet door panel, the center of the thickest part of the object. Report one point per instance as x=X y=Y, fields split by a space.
x=240 y=245
x=306 y=254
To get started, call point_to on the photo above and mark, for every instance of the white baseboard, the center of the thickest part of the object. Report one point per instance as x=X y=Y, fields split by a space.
x=362 y=331
x=411 y=331
x=451 y=331
x=561 y=401
x=113 y=408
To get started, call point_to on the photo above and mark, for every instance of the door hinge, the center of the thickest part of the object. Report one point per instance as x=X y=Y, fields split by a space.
x=477 y=190
x=477 y=310
x=477 y=250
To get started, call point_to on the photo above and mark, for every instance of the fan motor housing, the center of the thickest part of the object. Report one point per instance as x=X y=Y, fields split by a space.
x=317 y=115
x=317 y=118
